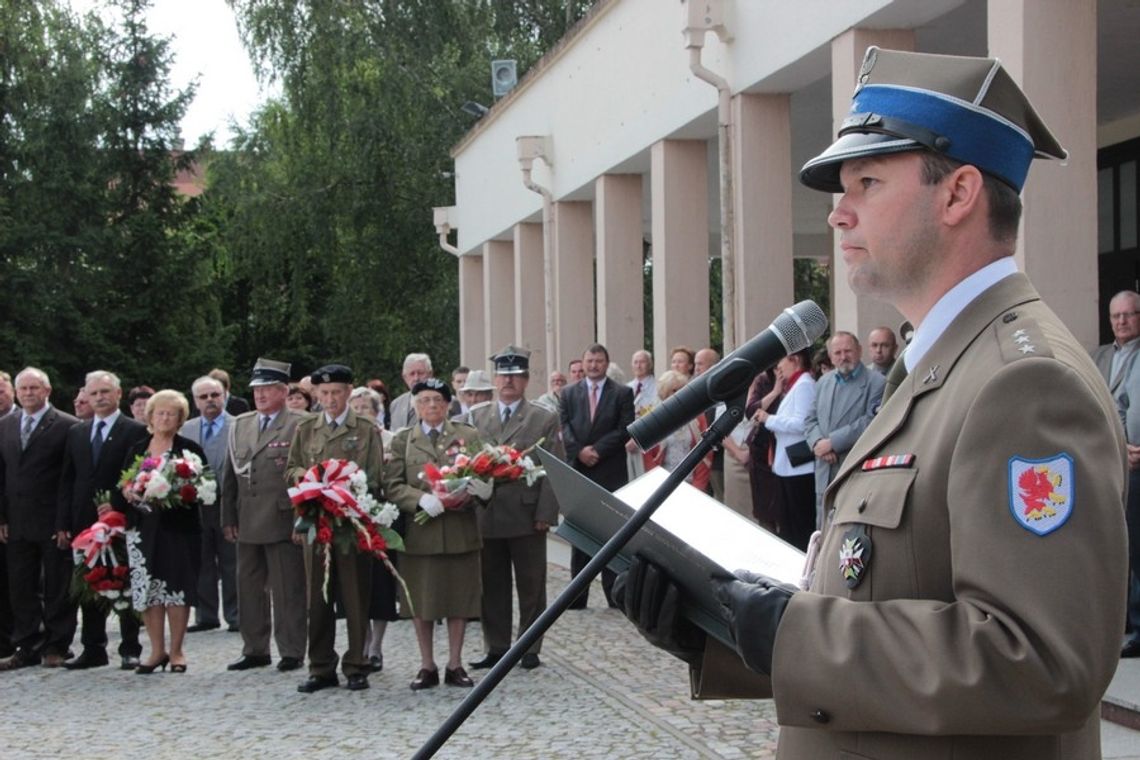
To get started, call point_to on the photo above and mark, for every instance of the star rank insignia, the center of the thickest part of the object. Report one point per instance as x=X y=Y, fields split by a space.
x=854 y=555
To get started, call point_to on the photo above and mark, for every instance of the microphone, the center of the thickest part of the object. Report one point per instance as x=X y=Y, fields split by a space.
x=793 y=330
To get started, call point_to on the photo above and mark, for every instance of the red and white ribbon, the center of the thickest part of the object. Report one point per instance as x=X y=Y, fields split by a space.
x=96 y=540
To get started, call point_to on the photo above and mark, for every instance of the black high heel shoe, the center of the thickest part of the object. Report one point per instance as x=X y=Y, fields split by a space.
x=143 y=670
x=179 y=668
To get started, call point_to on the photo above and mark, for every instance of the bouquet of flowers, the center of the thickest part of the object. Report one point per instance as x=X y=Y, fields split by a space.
x=334 y=508
x=499 y=464
x=170 y=482
x=101 y=572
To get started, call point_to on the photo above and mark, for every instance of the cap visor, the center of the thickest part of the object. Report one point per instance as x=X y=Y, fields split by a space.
x=822 y=172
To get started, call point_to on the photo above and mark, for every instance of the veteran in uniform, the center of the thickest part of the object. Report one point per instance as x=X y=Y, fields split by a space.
x=968 y=597
x=440 y=563
x=515 y=521
x=258 y=516
x=336 y=433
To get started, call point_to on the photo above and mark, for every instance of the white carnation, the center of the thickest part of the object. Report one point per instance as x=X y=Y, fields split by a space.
x=208 y=492
x=158 y=487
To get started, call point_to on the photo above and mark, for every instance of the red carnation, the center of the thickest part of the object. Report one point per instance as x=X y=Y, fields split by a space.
x=363 y=542
x=184 y=470
x=502 y=471
x=482 y=464
x=324 y=535
x=188 y=493
x=432 y=472
x=102 y=586
x=121 y=571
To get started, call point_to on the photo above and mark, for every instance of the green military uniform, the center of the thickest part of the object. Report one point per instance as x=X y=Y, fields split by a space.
x=314 y=441
x=445 y=548
x=256 y=502
x=507 y=521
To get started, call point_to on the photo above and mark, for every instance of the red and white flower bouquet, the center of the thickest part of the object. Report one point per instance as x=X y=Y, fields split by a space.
x=498 y=464
x=170 y=482
x=101 y=574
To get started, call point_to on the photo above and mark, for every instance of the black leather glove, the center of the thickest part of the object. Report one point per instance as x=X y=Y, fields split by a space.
x=754 y=603
x=651 y=601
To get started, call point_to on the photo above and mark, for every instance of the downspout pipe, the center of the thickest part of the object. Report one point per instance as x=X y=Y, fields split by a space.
x=695 y=45
x=530 y=148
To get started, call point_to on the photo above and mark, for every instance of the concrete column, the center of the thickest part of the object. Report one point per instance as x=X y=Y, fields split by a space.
x=498 y=298
x=679 y=193
x=762 y=164
x=573 y=278
x=1050 y=50
x=530 y=311
x=472 y=336
x=621 y=321
x=856 y=314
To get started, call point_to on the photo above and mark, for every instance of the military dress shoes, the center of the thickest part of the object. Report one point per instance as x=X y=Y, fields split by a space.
x=490 y=661
x=53 y=660
x=203 y=627
x=457 y=677
x=529 y=661
x=357 y=682
x=130 y=662
x=288 y=663
x=249 y=661
x=23 y=658
x=316 y=683
x=88 y=658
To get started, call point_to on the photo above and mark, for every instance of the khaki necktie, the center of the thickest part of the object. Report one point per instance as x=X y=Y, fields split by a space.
x=594 y=388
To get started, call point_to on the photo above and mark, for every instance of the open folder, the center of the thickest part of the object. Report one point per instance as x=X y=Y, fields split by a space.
x=692 y=536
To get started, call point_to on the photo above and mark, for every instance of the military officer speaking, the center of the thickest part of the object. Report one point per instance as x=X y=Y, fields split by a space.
x=968 y=597
x=514 y=522
x=337 y=433
x=258 y=516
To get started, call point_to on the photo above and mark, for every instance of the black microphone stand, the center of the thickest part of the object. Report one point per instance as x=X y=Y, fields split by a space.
x=716 y=433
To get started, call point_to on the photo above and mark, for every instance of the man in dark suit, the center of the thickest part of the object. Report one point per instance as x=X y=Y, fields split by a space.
x=595 y=414
x=31 y=457
x=92 y=463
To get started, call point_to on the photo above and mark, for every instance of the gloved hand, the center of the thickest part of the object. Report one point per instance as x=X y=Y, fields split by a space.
x=431 y=504
x=754 y=603
x=651 y=601
x=480 y=489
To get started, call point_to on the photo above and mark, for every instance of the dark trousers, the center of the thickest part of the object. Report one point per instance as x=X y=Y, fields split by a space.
x=5 y=605
x=219 y=562
x=39 y=583
x=1132 y=520
x=526 y=555
x=578 y=560
x=352 y=575
x=798 y=496
x=93 y=631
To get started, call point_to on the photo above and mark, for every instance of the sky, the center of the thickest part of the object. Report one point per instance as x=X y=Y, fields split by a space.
x=205 y=44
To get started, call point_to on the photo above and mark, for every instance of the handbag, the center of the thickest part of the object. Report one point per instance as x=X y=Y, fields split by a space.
x=799 y=453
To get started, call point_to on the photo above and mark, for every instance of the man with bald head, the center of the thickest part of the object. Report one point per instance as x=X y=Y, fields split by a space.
x=882 y=349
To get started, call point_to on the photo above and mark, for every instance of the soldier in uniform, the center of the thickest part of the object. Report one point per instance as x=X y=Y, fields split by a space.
x=514 y=522
x=440 y=562
x=258 y=516
x=968 y=596
x=336 y=433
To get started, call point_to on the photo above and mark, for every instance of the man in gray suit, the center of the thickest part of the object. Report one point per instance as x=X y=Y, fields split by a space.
x=514 y=522
x=258 y=516
x=417 y=367
x=210 y=430
x=1114 y=360
x=845 y=402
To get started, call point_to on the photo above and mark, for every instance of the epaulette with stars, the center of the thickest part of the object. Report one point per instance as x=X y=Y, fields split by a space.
x=1020 y=337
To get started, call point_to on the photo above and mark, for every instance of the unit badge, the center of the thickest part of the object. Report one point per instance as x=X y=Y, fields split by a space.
x=854 y=555
x=1041 y=492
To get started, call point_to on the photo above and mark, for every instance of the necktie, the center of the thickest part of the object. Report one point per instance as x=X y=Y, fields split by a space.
x=332 y=425
x=506 y=414
x=209 y=431
x=97 y=441
x=895 y=378
x=594 y=388
x=24 y=436
x=433 y=436
x=637 y=392
x=264 y=422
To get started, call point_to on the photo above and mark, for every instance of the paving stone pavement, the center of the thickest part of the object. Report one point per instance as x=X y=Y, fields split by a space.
x=602 y=692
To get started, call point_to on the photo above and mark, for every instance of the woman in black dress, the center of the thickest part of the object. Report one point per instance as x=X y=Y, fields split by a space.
x=163 y=546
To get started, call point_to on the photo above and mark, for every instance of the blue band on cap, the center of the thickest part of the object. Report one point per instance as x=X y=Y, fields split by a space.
x=976 y=136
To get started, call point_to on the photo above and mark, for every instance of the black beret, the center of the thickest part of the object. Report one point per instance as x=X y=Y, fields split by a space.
x=433 y=384
x=332 y=373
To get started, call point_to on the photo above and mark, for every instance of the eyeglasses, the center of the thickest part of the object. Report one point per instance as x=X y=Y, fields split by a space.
x=1123 y=316
x=205 y=396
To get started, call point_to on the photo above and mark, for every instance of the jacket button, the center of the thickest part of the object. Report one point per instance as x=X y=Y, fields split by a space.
x=819 y=716
x=862 y=505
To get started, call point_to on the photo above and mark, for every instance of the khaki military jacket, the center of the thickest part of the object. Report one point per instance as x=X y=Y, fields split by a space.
x=514 y=508
x=357 y=440
x=254 y=491
x=971 y=629
x=453 y=532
